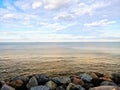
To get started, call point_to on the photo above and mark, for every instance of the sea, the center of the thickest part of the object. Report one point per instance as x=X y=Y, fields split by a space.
x=58 y=58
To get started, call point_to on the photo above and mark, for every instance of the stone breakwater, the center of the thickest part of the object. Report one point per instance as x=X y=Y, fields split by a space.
x=80 y=81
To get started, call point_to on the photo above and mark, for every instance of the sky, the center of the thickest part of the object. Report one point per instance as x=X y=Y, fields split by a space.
x=59 y=20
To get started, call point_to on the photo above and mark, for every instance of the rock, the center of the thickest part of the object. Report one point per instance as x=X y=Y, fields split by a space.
x=88 y=85
x=19 y=83
x=32 y=82
x=96 y=81
x=99 y=74
x=105 y=88
x=61 y=80
x=86 y=77
x=41 y=87
x=116 y=78
x=76 y=80
x=25 y=79
x=93 y=75
x=106 y=83
x=16 y=83
x=42 y=79
x=52 y=85
x=106 y=79
x=60 y=88
x=6 y=87
x=1 y=85
x=72 y=86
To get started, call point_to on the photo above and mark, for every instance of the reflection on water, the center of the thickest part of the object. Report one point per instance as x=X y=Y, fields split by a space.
x=55 y=58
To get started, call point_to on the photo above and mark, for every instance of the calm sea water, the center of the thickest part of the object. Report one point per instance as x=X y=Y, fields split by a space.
x=54 y=58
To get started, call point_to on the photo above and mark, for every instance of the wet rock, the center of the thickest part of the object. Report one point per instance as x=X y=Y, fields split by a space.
x=6 y=87
x=106 y=79
x=105 y=88
x=116 y=78
x=60 y=88
x=1 y=85
x=93 y=75
x=61 y=80
x=32 y=82
x=88 y=85
x=99 y=74
x=52 y=85
x=72 y=86
x=16 y=83
x=86 y=77
x=96 y=81
x=41 y=87
x=76 y=80
x=25 y=79
x=42 y=79
x=106 y=83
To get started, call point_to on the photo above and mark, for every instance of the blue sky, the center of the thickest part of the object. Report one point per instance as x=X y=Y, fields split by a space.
x=59 y=20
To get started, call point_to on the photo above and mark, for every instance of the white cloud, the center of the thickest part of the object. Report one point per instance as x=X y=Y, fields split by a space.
x=64 y=16
x=9 y=15
x=80 y=9
x=36 y=5
x=54 y=26
x=24 y=5
x=56 y=4
x=103 y=22
x=83 y=8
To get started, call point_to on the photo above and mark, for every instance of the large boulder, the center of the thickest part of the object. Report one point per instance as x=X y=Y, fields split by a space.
x=52 y=85
x=108 y=83
x=42 y=79
x=32 y=82
x=61 y=80
x=86 y=77
x=99 y=74
x=93 y=75
x=105 y=88
x=60 y=88
x=6 y=87
x=72 y=86
x=116 y=78
x=76 y=80
x=41 y=87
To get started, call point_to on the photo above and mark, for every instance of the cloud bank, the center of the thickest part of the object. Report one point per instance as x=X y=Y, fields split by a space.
x=56 y=20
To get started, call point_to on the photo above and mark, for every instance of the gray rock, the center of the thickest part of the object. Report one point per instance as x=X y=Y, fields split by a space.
x=106 y=83
x=32 y=82
x=72 y=86
x=60 y=88
x=61 y=80
x=105 y=88
x=116 y=78
x=88 y=85
x=42 y=79
x=6 y=87
x=86 y=77
x=52 y=85
x=41 y=87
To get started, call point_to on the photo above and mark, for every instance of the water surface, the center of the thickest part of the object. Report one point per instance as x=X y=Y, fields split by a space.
x=54 y=58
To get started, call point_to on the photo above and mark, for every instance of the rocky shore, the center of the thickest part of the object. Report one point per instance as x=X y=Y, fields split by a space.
x=79 y=81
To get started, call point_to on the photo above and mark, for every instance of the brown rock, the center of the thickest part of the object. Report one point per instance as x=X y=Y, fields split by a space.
x=76 y=80
x=105 y=88
x=16 y=83
x=93 y=75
